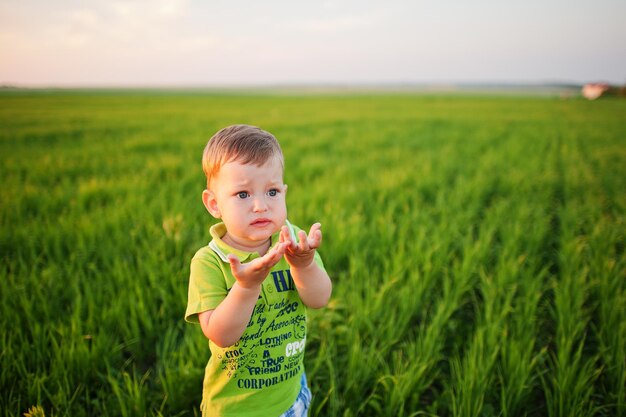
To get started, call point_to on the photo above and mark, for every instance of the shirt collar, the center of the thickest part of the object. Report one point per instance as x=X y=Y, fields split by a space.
x=223 y=249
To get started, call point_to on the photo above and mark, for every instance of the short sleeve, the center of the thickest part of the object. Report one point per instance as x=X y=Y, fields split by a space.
x=207 y=285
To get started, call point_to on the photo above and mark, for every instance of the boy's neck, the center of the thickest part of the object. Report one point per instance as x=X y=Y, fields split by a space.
x=261 y=249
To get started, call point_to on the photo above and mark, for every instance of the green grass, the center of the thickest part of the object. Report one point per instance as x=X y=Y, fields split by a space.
x=476 y=245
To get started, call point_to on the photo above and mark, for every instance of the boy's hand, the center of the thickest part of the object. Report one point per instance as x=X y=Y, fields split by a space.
x=300 y=254
x=252 y=274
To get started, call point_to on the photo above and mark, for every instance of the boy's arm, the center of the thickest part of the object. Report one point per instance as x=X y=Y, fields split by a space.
x=313 y=283
x=225 y=325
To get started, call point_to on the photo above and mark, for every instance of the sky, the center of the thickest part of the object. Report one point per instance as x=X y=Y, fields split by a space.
x=190 y=43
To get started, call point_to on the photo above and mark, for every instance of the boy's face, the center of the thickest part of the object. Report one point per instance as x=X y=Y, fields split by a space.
x=250 y=200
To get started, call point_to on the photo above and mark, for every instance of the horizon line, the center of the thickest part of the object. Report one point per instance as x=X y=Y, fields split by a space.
x=306 y=85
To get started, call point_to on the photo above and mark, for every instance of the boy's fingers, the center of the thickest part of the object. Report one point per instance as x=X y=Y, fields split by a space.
x=235 y=264
x=314 y=227
x=315 y=236
x=272 y=257
x=283 y=248
x=316 y=241
x=277 y=252
x=283 y=234
x=287 y=237
x=304 y=242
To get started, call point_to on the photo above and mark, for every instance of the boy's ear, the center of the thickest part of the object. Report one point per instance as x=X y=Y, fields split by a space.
x=210 y=202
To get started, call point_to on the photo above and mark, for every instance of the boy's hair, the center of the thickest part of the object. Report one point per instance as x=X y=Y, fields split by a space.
x=243 y=143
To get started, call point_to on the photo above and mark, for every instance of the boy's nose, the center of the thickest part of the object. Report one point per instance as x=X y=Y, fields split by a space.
x=259 y=205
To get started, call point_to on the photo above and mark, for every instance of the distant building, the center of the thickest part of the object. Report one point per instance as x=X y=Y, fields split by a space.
x=592 y=91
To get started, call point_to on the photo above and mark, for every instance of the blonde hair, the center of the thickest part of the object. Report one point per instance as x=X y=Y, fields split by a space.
x=242 y=143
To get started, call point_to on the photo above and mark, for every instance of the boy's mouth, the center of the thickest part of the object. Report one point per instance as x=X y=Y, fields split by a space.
x=261 y=222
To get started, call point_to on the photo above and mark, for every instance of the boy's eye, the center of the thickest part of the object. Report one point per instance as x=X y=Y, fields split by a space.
x=272 y=192
x=243 y=194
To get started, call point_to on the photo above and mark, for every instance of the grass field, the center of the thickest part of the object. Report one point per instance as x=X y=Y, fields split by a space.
x=476 y=246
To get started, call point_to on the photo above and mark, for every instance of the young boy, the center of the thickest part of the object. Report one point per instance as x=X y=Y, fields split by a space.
x=249 y=287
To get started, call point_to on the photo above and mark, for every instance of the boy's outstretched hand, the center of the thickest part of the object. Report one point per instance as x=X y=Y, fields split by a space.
x=252 y=274
x=300 y=254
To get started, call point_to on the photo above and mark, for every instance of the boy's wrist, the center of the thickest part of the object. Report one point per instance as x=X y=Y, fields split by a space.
x=248 y=289
x=304 y=269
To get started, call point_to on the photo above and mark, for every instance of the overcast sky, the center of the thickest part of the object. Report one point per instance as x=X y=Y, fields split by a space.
x=206 y=43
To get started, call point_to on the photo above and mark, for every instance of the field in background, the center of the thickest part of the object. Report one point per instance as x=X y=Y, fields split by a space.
x=476 y=245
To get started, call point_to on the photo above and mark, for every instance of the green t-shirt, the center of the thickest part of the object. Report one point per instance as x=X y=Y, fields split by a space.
x=260 y=374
